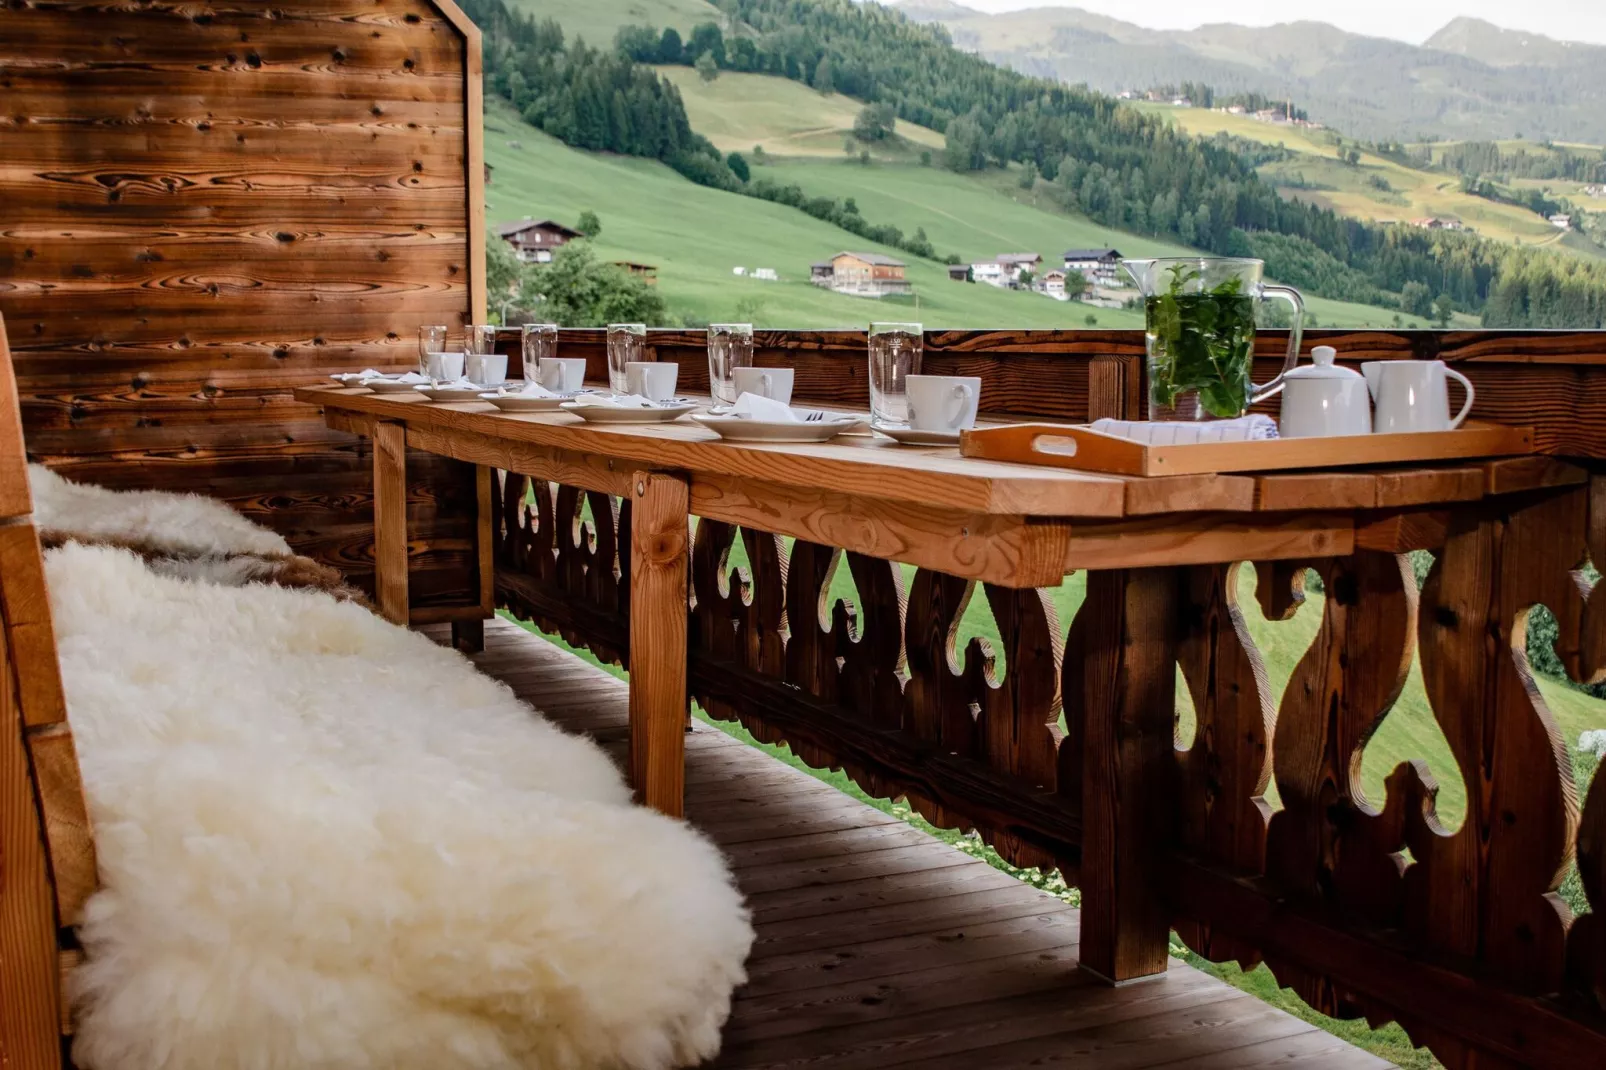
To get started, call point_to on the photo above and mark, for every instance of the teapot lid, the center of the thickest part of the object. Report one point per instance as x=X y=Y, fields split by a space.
x=1322 y=367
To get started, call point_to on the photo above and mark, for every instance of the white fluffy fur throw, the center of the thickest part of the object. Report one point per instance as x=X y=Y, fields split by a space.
x=327 y=843
x=185 y=535
x=174 y=523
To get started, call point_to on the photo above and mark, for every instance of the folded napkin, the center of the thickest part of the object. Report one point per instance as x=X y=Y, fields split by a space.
x=1182 y=433
x=759 y=407
x=454 y=384
x=404 y=377
x=615 y=401
x=531 y=389
x=357 y=377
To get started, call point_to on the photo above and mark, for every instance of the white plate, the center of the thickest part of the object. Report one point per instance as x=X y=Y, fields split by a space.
x=746 y=429
x=451 y=393
x=607 y=414
x=523 y=403
x=389 y=386
x=908 y=436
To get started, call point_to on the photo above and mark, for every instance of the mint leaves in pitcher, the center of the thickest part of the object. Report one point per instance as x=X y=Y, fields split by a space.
x=1201 y=342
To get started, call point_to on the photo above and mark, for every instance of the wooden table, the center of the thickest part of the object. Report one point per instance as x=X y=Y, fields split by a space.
x=1014 y=526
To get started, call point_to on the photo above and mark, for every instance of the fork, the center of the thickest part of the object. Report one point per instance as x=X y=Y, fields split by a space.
x=815 y=416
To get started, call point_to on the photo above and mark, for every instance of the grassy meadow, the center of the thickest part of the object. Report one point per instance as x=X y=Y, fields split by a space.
x=1376 y=188
x=696 y=235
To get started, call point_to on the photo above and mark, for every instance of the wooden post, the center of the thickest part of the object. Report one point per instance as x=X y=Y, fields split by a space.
x=658 y=607
x=1128 y=676
x=390 y=520
x=469 y=635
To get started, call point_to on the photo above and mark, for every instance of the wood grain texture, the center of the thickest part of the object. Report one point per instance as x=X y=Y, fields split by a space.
x=390 y=521
x=207 y=209
x=658 y=590
x=1122 y=676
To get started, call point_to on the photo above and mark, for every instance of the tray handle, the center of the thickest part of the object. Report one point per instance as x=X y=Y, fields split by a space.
x=1059 y=445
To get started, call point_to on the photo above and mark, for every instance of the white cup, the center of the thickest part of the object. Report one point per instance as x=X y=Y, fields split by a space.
x=562 y=375
x=653 y=380
x=942 y=402
x=772 y=383
x=486 y=369
x=447 y=366
x=1413 y=395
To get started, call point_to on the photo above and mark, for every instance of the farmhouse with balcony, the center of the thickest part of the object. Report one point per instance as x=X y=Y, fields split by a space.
x=1100 y=267
x=861 y=274
x=533 y=240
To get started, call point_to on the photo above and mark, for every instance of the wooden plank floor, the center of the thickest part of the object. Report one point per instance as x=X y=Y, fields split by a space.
x=881 y=947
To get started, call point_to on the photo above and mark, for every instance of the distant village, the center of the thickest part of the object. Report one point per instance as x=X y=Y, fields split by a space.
x=1092 y=276
x=1283 y=116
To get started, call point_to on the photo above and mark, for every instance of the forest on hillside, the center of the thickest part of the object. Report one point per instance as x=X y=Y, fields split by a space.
x=1113 y=164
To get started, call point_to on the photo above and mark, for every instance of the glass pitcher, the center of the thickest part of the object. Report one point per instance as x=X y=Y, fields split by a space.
x=1199 y=324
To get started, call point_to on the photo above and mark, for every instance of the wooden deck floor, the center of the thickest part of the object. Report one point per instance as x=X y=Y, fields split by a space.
x=878 y=946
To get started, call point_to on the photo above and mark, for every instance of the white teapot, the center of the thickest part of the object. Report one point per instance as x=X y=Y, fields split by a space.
x=1322 y=398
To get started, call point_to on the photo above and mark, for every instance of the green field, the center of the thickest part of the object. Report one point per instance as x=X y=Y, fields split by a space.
x=598 y=20
x=696 y=235
x=1376 y=188
x=738 y=111
x=978 y=219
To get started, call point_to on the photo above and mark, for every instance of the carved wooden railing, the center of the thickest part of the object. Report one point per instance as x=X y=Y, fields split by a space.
x=1364 y=906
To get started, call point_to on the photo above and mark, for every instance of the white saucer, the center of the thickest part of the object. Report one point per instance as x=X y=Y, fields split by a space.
x=388 y=386
x=908 y=436
x=451 y=393
x=606 y=414
x=526 y=403
x=747 y=429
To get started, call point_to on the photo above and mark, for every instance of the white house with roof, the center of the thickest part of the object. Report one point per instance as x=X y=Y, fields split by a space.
x=1100 y=267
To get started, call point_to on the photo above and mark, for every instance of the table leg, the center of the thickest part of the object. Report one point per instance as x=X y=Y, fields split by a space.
x=390 y=521
x=1128 y=668
x=658 y=607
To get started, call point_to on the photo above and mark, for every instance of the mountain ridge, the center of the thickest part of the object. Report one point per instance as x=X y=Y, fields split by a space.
x=1471 y=80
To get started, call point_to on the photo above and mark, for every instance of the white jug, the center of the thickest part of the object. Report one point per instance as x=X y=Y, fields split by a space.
x=1322 y=398
x=1413 y=395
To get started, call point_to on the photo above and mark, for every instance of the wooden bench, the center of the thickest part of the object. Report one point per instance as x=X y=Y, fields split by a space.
x=47 y=849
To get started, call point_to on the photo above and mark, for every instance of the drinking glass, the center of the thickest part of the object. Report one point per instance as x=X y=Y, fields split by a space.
x=730 y=346
x=894 y=356
x=481 y=343
x=539 y=340
x=430 y=340
x=627 y=342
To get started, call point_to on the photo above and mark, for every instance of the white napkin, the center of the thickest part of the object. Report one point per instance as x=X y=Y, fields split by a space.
x=455 y=384
x=1181 y=433
x=404 y=377
x=759 y=407
x=531 y=389
x=615 y=401
x=357 y=377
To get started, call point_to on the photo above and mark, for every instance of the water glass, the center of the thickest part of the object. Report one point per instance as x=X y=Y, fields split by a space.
x=627 y=343
x=730 y=346
x=894 y=356
x=480 y=342
x=431 y=339
x=539 y=341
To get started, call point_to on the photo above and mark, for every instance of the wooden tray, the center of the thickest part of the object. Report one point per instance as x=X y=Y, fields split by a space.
x=1080 y=447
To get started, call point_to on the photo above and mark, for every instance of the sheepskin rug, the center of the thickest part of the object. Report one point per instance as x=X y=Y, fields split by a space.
x=326 y=842
x=185 y=535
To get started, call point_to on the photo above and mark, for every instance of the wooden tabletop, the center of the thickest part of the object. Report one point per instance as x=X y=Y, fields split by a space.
x=878 y=469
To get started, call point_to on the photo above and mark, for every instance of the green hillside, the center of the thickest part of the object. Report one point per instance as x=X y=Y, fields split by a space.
x=738 y=111
x=1375 y=187
x=696 y=235
x=598 y=20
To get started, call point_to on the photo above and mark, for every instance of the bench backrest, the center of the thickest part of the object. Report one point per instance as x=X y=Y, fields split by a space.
x=47 y=851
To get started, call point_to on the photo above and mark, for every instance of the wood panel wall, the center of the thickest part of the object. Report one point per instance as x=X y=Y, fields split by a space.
x=208 y=204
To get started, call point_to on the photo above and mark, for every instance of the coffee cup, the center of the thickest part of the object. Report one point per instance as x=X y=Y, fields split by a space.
x=653 y=380
x=772 y=383
x=561 y=375
x=443 y=366
x=486 y=369
x=942 y=402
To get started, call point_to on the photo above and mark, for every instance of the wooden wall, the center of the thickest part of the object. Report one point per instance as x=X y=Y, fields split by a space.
x=208 y=204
